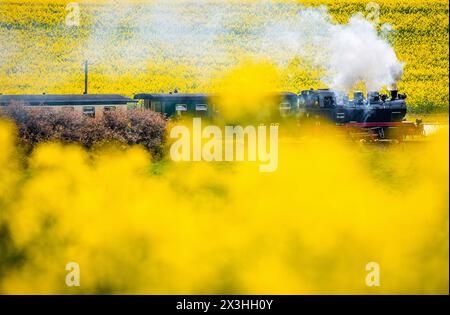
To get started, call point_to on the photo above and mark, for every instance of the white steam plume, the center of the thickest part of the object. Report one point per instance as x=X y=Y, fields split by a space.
x=213 y=36
x=359 y=53
x=349 y=53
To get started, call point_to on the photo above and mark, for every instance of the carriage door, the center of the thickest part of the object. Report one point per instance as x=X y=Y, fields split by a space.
x=156 y=106
x=327 y=107
x=314 y=110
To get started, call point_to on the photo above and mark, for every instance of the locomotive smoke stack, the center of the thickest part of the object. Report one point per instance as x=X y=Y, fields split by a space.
x=357 y=95
x=85 y=77
x=394 y=94
x=373 y=96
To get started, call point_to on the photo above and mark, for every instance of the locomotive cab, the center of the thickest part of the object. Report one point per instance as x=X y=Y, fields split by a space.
x=320 y=104
x=288 y=104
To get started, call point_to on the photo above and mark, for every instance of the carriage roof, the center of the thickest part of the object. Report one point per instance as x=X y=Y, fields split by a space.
x=66 y=99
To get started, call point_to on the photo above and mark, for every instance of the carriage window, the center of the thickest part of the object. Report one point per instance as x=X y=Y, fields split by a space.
x=302 y=101
x=285 y=108
x=201 y=107
x=315 y=101
x=156 y=106
x=181 y=107
x=89 y=111
x=285 y=105
x=328 y=102
x=109 y=108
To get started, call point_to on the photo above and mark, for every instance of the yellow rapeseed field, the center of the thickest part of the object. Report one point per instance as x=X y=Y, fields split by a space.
x=40 y=53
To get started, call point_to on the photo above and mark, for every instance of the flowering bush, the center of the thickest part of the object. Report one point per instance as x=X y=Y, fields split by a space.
x=137 y=126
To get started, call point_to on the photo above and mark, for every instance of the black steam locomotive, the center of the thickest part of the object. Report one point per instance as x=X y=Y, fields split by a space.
x=379 y=116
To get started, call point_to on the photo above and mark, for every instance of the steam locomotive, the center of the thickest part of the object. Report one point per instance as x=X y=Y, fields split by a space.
x=379 y=116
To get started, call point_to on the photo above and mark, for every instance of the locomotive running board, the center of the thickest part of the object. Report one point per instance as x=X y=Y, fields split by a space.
x=379 y=124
